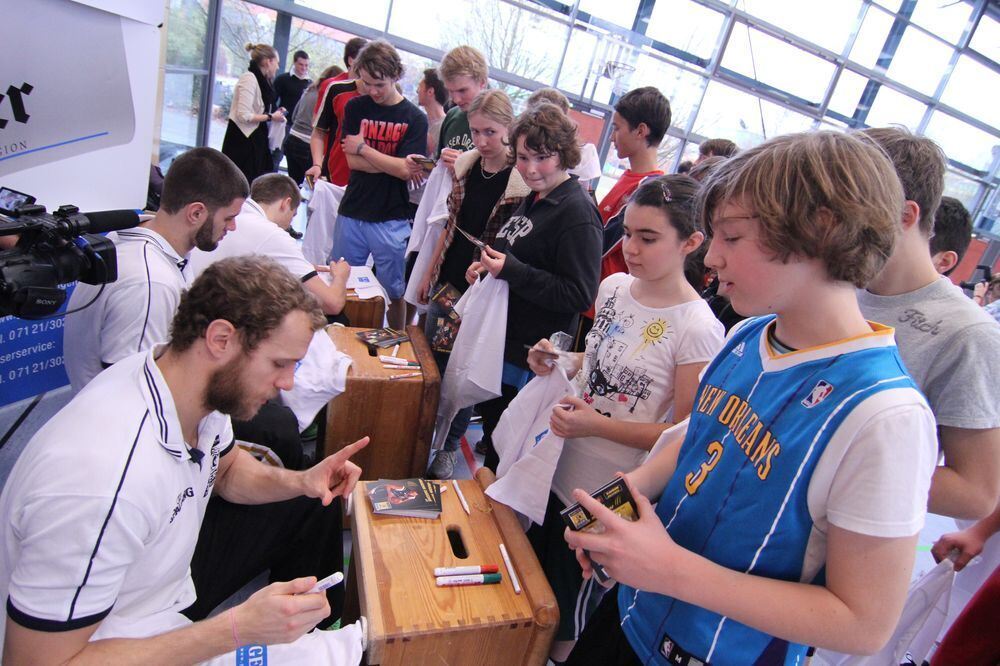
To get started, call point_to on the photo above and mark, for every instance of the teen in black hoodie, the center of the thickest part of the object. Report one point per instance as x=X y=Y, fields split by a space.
x=549 y=251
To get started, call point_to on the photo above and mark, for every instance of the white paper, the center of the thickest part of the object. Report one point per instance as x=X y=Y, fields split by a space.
x=323 y=205
x=528 y=450
x=476 y=364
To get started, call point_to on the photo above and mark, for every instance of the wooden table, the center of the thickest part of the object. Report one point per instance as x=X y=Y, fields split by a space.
x=398 y=415
x=366 y=313
x=411 y=621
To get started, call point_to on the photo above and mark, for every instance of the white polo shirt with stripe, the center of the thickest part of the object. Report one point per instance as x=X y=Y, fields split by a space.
x=131 y=314
x=255 y=234
x=101 y=513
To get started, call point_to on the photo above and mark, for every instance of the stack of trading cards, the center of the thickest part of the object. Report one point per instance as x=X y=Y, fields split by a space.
x=614 y=495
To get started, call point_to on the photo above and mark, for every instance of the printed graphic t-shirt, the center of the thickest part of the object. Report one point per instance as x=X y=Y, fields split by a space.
x=613 y=203
x=628 y=374
x=398 y=130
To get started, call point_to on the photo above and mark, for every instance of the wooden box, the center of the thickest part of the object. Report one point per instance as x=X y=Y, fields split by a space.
x=398 y=414
x=412 y=621
x=366 y=313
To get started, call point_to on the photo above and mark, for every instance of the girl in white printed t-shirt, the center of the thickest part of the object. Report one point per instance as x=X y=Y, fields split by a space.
x=652 y=336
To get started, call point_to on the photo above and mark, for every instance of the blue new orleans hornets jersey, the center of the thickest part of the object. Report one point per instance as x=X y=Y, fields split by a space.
x=738 y=497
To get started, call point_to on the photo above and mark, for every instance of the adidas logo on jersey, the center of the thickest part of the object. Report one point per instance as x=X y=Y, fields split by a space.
x=818 y=394
x=738 y=349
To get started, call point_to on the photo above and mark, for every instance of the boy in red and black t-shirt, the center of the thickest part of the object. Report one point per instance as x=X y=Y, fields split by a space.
x=380 y=130
x=639 y=123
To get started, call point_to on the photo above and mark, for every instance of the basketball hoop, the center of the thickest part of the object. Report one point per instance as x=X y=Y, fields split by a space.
x=619 y=73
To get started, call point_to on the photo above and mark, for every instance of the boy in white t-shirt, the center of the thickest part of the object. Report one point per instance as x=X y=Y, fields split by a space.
x=652 y=335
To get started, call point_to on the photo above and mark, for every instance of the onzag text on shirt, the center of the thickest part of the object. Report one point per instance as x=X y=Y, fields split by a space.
x=382 y=135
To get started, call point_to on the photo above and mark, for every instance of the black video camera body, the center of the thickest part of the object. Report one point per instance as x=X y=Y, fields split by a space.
x=52 y=250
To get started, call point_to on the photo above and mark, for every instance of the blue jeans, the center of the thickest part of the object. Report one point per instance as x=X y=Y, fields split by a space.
x=386 y=241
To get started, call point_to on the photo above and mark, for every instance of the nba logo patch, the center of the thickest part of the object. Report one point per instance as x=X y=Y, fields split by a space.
x=738 y=350
x=818 y=394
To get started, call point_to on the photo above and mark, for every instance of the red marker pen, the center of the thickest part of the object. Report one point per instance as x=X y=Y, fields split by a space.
x=462 y=571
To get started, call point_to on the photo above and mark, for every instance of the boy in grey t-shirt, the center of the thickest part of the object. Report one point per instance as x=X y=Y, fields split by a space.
x=949 y=345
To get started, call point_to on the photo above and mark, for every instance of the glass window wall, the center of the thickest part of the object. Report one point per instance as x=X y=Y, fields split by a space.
x=964 y=143
x=325 y=45
x=184 y=77
x=827 y=24
x=871 y=39
x=986 y=38
x=894 y=108
x=619 y=12
x=671 y=23
x=847 y=95
x=962 y=188
x=370 y=13
x=920 y=61
x=746 y=70
x=974 y=89
x=744 y=118
x=945 y=19
x=763 y=58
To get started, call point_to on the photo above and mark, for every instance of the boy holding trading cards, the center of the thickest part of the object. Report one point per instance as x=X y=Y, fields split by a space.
x=788 y=516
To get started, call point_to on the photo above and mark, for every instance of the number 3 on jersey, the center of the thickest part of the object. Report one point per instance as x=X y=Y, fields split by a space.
x=693 y=480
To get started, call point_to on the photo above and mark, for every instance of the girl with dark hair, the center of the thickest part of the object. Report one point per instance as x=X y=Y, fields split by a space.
x=652 y=336
x=252 y=108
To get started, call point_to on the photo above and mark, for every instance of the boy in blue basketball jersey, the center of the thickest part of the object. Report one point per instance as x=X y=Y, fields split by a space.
x=789 y=513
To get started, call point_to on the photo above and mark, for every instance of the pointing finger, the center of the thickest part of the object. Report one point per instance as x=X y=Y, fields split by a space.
x=349 y=450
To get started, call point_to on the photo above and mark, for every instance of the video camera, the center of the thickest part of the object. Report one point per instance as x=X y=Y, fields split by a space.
x=52 y=250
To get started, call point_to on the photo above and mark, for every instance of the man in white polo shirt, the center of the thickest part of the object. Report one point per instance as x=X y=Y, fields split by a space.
x=202 y=194
x=273 y=433
x=101 y=513
x=262 y=228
